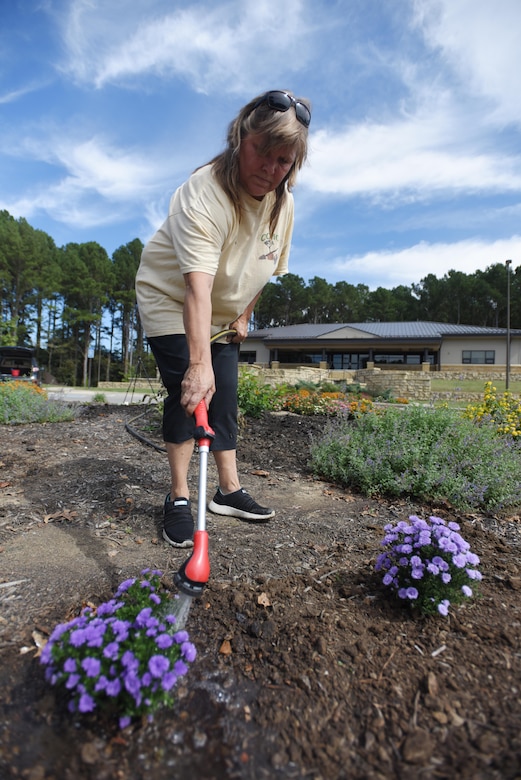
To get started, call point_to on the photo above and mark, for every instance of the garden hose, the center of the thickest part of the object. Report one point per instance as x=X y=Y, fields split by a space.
x=129 y=425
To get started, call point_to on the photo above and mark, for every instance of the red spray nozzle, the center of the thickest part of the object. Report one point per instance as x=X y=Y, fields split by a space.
x=195 y=572
x=197 y=568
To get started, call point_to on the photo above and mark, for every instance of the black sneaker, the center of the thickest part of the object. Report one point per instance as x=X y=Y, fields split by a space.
x=239 y=504
x=178 y=523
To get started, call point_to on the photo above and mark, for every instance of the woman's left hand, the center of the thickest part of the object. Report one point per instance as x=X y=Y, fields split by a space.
x=241 y=326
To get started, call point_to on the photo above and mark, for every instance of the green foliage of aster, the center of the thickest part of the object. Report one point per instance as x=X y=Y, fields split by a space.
x=125 y=655
x=425 y=454
x=428 y=565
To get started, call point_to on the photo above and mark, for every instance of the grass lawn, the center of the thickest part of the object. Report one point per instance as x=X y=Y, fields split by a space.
x=473 y=385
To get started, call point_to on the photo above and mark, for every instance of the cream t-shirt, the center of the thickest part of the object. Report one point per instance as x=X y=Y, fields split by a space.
x=202 y=233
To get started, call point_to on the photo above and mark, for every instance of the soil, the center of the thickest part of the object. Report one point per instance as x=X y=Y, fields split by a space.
x=305 y=667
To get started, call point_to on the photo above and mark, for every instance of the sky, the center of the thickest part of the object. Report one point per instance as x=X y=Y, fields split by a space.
x=414 y=164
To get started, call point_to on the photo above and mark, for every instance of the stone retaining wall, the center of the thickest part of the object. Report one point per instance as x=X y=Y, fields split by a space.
x=291 y=376
x=402 y=384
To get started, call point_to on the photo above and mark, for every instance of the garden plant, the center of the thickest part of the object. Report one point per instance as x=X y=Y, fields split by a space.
x=256 y=397
x=502 y=411
x=124 y=655
x=24 y=402
x=422 y=453
x=427 y=564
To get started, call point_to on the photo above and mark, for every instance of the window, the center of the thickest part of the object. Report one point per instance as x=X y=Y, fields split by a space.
x=385 y=358
x=247 y=357
x=301 y=358
x=403 y=358
x=350 y=361
x=482 y=356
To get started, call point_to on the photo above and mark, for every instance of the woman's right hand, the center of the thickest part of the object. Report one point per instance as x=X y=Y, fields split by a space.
x=198 y=384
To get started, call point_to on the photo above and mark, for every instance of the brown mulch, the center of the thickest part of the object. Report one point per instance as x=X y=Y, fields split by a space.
x=305 y=669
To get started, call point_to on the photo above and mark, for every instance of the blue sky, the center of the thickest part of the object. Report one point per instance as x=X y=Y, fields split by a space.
x=415 y=145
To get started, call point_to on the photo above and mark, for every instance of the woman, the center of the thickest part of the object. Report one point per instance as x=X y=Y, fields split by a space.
x=227 y=233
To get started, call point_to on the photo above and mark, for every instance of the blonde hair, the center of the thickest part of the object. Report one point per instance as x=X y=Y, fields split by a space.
x=281 y=128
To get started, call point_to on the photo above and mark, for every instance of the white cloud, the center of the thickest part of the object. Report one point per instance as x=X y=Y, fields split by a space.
x=479 y=40
x=155 y=214
x=94 y=181
x=16 y=94
x=207 y=44
x=65 y=204
x=414 y=157
x=411 y=264
x=116 y=174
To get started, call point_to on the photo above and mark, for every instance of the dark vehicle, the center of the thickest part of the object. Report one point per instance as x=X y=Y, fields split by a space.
x=18 y=363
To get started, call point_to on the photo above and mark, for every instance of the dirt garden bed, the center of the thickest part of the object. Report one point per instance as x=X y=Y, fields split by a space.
x=305 y=669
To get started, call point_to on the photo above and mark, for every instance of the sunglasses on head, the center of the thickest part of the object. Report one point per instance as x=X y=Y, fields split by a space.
x=282 y=101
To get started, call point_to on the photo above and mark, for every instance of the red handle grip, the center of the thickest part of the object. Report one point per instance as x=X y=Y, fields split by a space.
x=203 y=433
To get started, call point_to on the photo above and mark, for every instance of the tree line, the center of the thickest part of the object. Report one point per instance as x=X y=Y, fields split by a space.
x=461 y=299
x=77 y=306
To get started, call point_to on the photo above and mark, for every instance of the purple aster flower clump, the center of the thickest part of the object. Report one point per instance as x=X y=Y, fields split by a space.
x=126 y=653
x=428 y=564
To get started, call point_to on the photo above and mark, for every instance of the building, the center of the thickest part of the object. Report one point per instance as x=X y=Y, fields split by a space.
x=434 y=346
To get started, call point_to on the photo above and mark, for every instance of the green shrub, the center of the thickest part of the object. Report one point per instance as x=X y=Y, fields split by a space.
x=253 y=396
x=424 y=454
x=332 y=387
x=503 y=412
x=386 y=396
x=305 y=384
x=353 y=388
x=22 y=402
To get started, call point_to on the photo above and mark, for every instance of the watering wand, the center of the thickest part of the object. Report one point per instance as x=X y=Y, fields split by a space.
x=195 y=572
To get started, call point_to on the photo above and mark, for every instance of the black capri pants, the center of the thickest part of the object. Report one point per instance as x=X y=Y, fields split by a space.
x=172 y=357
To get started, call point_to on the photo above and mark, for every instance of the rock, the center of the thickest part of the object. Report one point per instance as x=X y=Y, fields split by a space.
x=89 y=753
x=432 y=684
x=488 y=743
x=255 y=628
x=321 y=645
x=418 y=747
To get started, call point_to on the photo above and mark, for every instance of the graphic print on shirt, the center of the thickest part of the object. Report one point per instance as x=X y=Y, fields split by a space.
x=269 y=243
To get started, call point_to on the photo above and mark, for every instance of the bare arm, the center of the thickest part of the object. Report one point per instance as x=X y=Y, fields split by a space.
x=199 y=380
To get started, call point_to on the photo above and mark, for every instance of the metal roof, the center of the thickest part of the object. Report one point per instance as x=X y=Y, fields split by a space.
x=383 y=330
x=304 y=331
